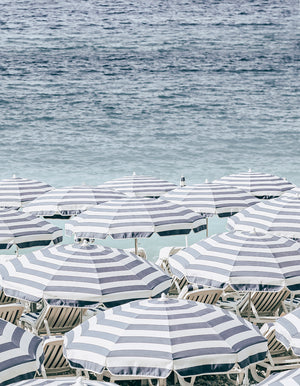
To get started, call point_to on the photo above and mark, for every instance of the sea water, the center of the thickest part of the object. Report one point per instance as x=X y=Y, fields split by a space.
x=94 y=90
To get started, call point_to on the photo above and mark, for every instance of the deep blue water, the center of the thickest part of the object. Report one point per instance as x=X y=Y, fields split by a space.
x=93 y=90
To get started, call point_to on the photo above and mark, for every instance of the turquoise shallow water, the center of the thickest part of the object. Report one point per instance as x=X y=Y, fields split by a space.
x=94 y=90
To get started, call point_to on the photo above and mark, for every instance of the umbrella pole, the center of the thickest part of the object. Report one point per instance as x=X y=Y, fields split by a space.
x=135 y=246
x=186 y=241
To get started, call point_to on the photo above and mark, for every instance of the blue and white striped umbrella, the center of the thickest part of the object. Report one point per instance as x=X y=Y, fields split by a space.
x=245 y=261
x=210 y=199
x=295 y=191
x=25 y=230
x=280 y=216
x=283 y=378
x=82 y=274
x=69 y=201
x=63 y=381
x=140 y=186
x=287 y=329
x=261 y=185
x=150 y=338
x=134 y=218
x=21 y=353
x=16 y=191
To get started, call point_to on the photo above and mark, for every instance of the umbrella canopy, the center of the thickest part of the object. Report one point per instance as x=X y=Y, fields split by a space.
x=280 y=216
x=261 y=185
x=16 y=191
x=82 y=274
x=245 y=261
x=135 y=218
x=64 y=381
x=287 y=329
x=294 y=191
x=140 y=186
x=283 y=378
x=150 y=338
x=69 y=201
x=25 y=230
x=210 y=199
x=21 y=353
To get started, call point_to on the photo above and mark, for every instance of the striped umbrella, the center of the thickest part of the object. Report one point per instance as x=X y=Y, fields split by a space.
x=21 y=353
x=135 y=218
x=283 y=378
x=261 y=185
x=210 y=199
x=287 y=329
x=140 y=186
x=82 y=274
x=294 y=191
x=16 y=191
x=64 y=381
x=69 y=201
x=245 y=261
x=25 y=230
x=280 y=216
x=150 y=338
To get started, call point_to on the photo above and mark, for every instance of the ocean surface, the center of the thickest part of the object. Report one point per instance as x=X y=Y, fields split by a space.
x=94 y=90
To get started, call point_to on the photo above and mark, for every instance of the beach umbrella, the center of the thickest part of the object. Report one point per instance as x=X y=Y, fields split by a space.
x=287 y=330
x=69 y=201
x=21 y=353
x=283 y=378
x=25 y=230
x=63 y=381
x=82 y=274
x=211 y=199
x=16 y=191
x=261 y=185
x=245 y=261
x=134 y=218
x=280 y=216
x=292 y=192
x=153 y=337
x=140 y=186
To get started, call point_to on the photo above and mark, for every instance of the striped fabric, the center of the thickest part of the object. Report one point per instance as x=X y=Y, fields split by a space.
x=80 y=274
x=261 y=185
x=294 y=191
x=64 y=381
x=135 y=218
x=70 y=200
x=287 y=329
x=16 y=191
x=280 y=216
x=245 y=261
x=155 y=336
x=140 y=186
x=21 y=353
x=283 y=378
x=26 y=230
x=210 y=199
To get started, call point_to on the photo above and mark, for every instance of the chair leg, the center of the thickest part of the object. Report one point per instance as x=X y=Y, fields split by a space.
x=255 y=375
x=184 y=382
x=43 y=371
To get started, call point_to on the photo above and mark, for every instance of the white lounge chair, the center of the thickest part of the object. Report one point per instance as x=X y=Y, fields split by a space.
x=11 y=312
x=277 y=359
x=52 y=320
x=260 y=306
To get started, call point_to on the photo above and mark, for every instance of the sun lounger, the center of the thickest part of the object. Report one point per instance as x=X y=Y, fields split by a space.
x=202 y=295
x=260 y=306
x=11 y=312
x=278 y=358
x=52 y=320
